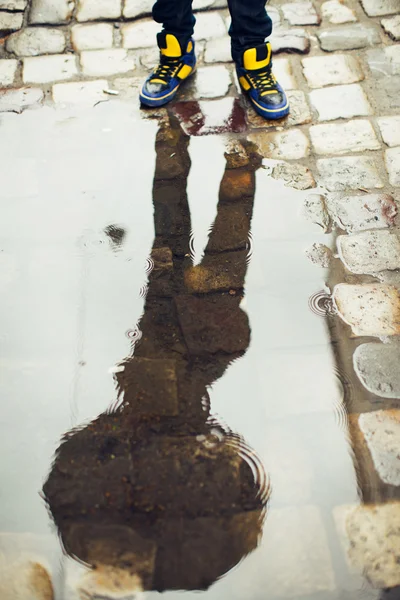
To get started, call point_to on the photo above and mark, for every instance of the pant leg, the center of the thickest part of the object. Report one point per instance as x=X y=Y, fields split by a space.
x=176 y=17
x=251 y=25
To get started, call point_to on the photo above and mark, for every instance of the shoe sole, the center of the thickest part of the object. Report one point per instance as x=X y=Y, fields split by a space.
x=166 y=99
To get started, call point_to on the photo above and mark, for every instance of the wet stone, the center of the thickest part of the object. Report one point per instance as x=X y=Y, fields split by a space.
x=128 y=87
x=283 y=71
x=56 y=12
x=290 y=145
x=381 y=430
x=337 y=13
x=351 y=172
x=384 y=62
x=209 y=25
x=390 y=130
x=348 y=37
x=211 y=117
x=211 y=82
x=340 y=102
x=13 y=5
x=19 y=99
x=376 y=366
x=300 y=13
x=34 y=41
x=91 y=10
x=299 y=113
x=95 y=36
x=295 y=175
x=290 y=40
x=43 y=69
x=141 y=34
x=137 y=8
x=236 y=154
x=97 y=63
x=392 y=27
x=218 y=50
x=378 y=8
x=335 y=69
x=370 y=251
x=83 y=92
x=8 y=70
x=370 y=309
x=392 y=162
x=10 y=21
x=343 y=138
x=320 y=255
x=315 y=211
x=366 y=211
x=235 y=185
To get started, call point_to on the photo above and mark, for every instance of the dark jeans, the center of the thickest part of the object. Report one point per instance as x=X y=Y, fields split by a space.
x=251 y=24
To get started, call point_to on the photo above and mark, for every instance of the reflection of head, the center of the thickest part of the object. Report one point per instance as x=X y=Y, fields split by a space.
x=156 y=488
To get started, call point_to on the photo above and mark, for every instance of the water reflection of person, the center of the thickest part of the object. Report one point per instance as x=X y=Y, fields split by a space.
x=155 y=492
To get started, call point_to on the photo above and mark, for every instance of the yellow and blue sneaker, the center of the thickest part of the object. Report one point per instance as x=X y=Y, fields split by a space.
x=257 y=80
x=176 y=65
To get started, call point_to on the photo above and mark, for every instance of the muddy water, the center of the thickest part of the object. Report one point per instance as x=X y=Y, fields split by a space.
x=155 y=301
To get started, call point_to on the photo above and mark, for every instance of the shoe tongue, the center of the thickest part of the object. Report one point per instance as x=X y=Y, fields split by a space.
x=257 y=58
x=169 y=45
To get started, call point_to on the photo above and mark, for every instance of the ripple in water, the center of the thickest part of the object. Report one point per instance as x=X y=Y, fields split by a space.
x=345 y=397
x=249 y=248
x=134 y=335
x=192 y=249
x=143 y=291
x=149 y=265
x=321 y=304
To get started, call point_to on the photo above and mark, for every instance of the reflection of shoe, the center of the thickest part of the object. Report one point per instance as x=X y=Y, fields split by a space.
x=176 y=64
x=257 y=80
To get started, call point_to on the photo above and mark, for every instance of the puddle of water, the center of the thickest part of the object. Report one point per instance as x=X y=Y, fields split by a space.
x=213 y=458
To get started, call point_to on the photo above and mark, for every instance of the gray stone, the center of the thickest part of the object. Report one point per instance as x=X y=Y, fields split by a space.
x=392 y=162
x=299 y=113
x=44 y=69
x=343 y=138
x=36 y=40
x=82 y=92
x=300 y=13
x=384 y=62
x=384 y=85
x=98 y=63
x=314 y=210
x=370 y=251
x=218 y=50
x=381 y=430
x=378 y=8
x=340 y=102
x=377 y=367
x=8 y=70
x=295 y=175
x=392 y=27
x=334 y=69
x=290 y=40
x=348 y=37
x=350 y=172
x=137 y=8
x=365 y=211
x=10 y=21
x=320 y=255
x=390 y=130
x=55 y=12
x=289 y=145
x=337 y=13
x=283 y=71
x=13 y=5
x=149 y=57
x=369 y=309
x=212 y=82
x=19 y=99
x=94 y=36
x=209 y=25
x=128 y=87
x=141 y=34
x=92 y=10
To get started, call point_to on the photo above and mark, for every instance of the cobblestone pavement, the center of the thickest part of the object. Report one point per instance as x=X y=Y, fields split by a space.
x=340 y=63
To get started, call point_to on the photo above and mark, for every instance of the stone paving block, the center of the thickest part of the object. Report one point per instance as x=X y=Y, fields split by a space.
x=218 y=50
x=381 y=430
x=384 y=62
x=10 y=21
x=369 y=309
x=320 y=255
x=390 y=130
x=92 y=10
x=141 y=34
x=94 y=36
x=295 y=175
x=290 y=40
x=335 y=69
x=149 y=57
x=207 y=117
x=97 y=63
x=33 y=41
x=81 y=92
x=44 y=69
x=299 y=113
x=348 y=37
x=392 y=27
x=365 y=211
x=17 y=100
x=209 y=25
x=56 y=12
x=8 y=70
x=337 y=13
x=288 y=145
x=370 y=251
x=300 y=13
x=13 y=5
x=392 y=162
x=377 y=367
x=212 y=82
x=137 y=8
x=340 y=102
x=128 y=87
x=370 y=537
x=283 y=71
x=314 y=210
x=393 y=54
x=343 y=138
x=351 y=172
x=378 y=8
